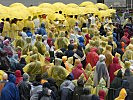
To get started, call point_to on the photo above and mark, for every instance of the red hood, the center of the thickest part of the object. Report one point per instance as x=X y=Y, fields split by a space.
x=79 y=66
x=102 y=94
x=126 y=34
x=93 y=49
x=115 y=60
x=18 y=73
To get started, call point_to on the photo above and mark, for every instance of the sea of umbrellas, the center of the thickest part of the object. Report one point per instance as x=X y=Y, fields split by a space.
x=20 y=11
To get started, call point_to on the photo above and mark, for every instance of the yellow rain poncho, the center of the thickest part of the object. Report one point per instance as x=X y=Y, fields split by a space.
x=1 y=74
x=71 y=22
x=14 y=31
x=122 y=95
x=64 y=60
x=6 y=29
x=70 y=62
x=30 y=24
x=119 y=57
x=28 y=47
x=108 y=55
x=89 y=84
x=19 y=42
x=33 y=68
x=102 y=86
x=40 y=46
x=130 y=45
x=58 y=72
x=128 y=54
x=20 y=25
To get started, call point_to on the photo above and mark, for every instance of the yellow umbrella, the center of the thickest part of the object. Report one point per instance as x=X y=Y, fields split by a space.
x=102 y=6
x=56 y=16
x=86 y=3
x=34 y=10
x=46 y=11
x=91 y=10
x=4 y=15
x=103 y=13
x=16 y=4
x=73 y=5
x=111 y=11
x=59 y=6
x=71 y=11
x=45 y=5
x=81 y=10
x=92 y=7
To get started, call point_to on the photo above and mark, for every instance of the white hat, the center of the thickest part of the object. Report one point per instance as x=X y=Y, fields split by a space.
x=101 y=57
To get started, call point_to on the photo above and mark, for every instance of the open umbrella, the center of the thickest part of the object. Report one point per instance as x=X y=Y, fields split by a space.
x=72 y=5
x=56 y=16
x=102 y=6
x=86 y=3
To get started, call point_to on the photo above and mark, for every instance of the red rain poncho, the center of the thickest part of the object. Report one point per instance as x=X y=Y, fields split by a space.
x=19 y=78
x=114 y=67
x=78 y=71
x=92 y=57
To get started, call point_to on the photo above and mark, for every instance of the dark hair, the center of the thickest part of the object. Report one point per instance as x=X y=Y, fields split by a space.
x=86 y=91
x=71 y=16
x=38 y=78
x=25 y=29
x=60 y=12
x=46 y=85
x=8 y=19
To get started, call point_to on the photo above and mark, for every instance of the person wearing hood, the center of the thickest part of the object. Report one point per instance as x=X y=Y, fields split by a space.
x=39 y=44
x=128 y=55
x=10 y=91
x=92 y=57
x=122 y=95
x=131 y=44
x=24 y=88
x=6 y=28
x=101 y=71
x=102 y=94
x=33 y=68
x=77 y=71
x=81 y=42
x=78 y=90
x=36 y=87
x=108 y=55
x=125 y=39
x=69 y=52
x=79 y=54
x=67 y=88
x=58 y=72
x=125 y=85
x=19 y=77
x=86 y=94
x=118 y=49
x=29 y=34
x=113 y=68
x=42 y=30
x=115 y=85
x=129 y=78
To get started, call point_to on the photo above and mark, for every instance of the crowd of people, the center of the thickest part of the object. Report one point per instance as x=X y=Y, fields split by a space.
x=83 y=57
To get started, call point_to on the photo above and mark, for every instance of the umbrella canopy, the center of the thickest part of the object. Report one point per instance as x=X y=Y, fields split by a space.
x=47 y=5
x=86 y=3
x=71 y=11
x=56 y=17
x=72 y=5
x=112 y=11
x=17 y=4
x=102 y=6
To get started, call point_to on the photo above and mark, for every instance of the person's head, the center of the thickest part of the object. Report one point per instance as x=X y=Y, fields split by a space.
x=86 y=91
x=70 y=77
x=80 y=82
x=46 y=85
x=8 y=19
x=127 y=72
x=38 y=78
x=102 y=57
x=102 y=94
x=25 y=29
x=28 y=29
x=12 y=78
x=5 y=76
x=18 y=73
x=60 y=12
x=95 y=97
x=26 y=77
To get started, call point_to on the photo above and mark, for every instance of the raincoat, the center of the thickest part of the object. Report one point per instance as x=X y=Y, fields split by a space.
x=69 y=52
x=33 y=68
x=78 y=71
x=10 y=91
x=40 y=46
x=114 y=67
x=122 y=95
x=6 y=29
x=20 y=25
x=92 y=57
x=14 y=31
x=125 y=38
x=19 y=78
x=41 y=30
x=102 y=94
x=24 y=88
x=30 y=24
x=101 y=72
x=57 y=72
x=128 y=55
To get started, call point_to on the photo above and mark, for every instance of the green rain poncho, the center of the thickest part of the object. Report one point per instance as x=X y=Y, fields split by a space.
x=18 y=42
x=33 y=68
x=40 y=46
x=102 y=86
x=28 y=47
x=128 y=55
x=58 y=72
